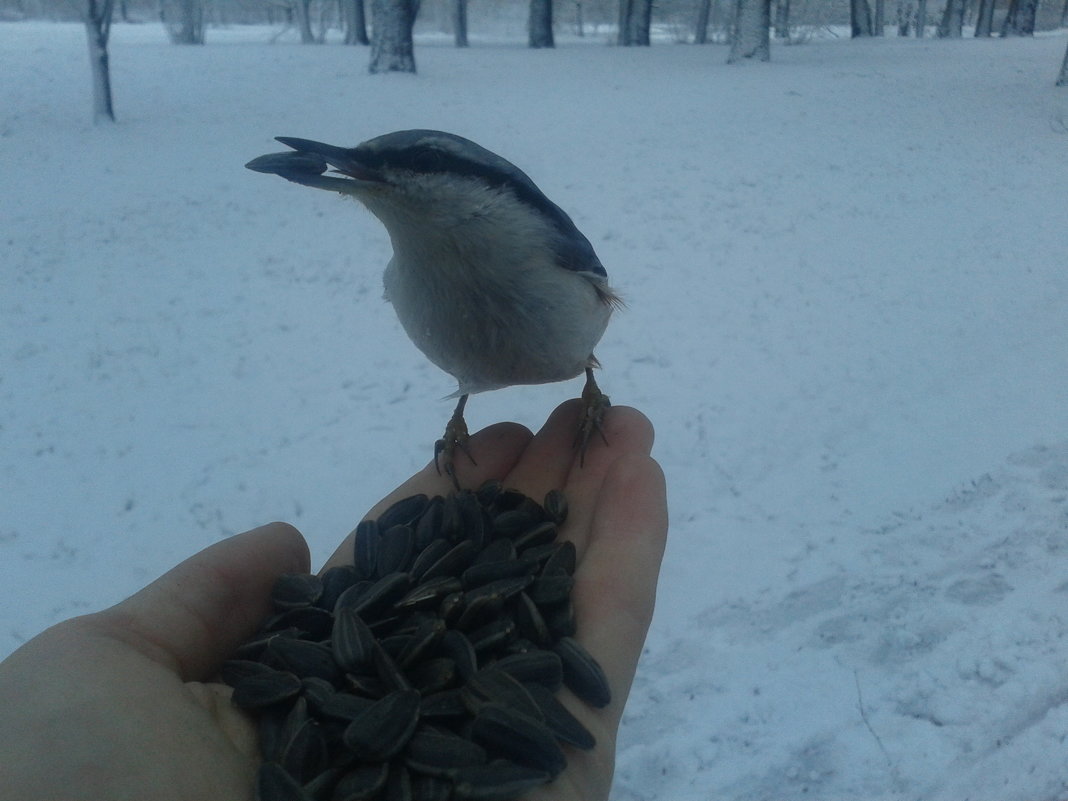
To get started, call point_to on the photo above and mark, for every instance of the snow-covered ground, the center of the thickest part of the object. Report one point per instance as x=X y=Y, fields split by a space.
x=847 y=285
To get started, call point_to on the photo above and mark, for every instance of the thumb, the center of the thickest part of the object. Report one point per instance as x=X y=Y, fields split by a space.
x=196 y=614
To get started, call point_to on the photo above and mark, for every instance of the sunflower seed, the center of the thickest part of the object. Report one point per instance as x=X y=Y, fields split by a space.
x=296 y=590
x=265 y=689
x=383 y=593
x=429 y=592
x=582 y=674
x=438 y=752
x=556 y=506
x=562 y=559
x=345 y=706
x=428 y=527
x=403 y=512
x=558 y=719
x=362 y=783
x=517 y=737
x=459 y=648
x=453 y=562
x=274 y=784
x=352 y=641
x=447 y=704
x=424 y=639
x=305 y=658
x=395 y=550
x=501 y=549
x=336 y=580
x=492 y=635
x=493 y=686
x=530 y=621
x=433 y=675
x=305 y=757
x=540 y=534
x=543 y=667
x=234 y=670
x=365 y=548
x=551 y=589
x=485 y=572
x=431 y=788
x=500 y=780
x=385 y=727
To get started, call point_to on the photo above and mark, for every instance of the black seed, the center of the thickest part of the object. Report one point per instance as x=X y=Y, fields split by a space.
x=345 y=706
x=501 y=549
x=365 y=548
x=350 y=597
x=446 y=704
x=517 y=737
x=384 y=729
x=296 y=590
x=429 y=593
x=543 y=667
x=459 y=648
x=582 y=674
x=433 y=675
x=362 y=783
x=274 y=784
x=265 y=689
x=317 y=692
x=388 y=670
x=551 y=589
x=403 y=512
x=234 y=670
x=423 y=640
x=562 y=559
x=493 y=635
x=530 y=621
x=352 y=641
x=493 y=686
x=485 y=572
x=453 y=562
x=305 y=757
x=438 y=752
x=559 y=720
x=383 y=593
x=511 y=523
x=540 y=534
x=430 y=554
x=428 y=527
x=556 y=506
x=560 y=619
x=395 y=550
x=500 y=780
x=431 y=788
x=305 y=658
x=336 y=580
x=310 y=622
x=399 y=783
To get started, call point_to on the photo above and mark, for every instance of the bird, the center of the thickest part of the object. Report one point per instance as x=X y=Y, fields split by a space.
x=490 y=279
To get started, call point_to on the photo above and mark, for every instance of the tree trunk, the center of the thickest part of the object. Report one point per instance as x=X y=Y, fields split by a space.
x=700 y=27
x=921 y=19
x=355 y=22
x=952 y=24
x=541 y=23
x=904 y=17
x=860 y=18
x=459 y=22
x=184 y=21
x=97 y=18
x=1064 y=15
x=880 y=18
x=782 y=19
x=580 y=26
x=1062 y=79
x=751 y=35
x=639 y=21
x=984 y=20
x=304 y=22
x=391 y=36
x=1020 y=21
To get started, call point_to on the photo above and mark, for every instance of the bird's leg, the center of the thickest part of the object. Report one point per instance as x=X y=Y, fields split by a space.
x=456 y=436
x=594 y=403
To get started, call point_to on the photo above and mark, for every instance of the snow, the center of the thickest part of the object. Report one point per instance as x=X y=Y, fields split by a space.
x=846 y=286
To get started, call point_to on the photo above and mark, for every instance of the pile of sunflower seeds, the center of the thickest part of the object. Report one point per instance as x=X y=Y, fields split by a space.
x=427 y=669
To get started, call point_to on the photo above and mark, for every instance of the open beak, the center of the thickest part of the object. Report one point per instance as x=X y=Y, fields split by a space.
x=309 y=160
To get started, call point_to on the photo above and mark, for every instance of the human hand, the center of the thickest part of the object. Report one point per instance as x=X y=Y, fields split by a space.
x=118 y=705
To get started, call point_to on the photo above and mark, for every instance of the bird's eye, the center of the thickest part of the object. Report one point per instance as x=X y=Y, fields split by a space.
x=425 y=159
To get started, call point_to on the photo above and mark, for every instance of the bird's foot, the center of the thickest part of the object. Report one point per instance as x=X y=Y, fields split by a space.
x=456 y=436
x=594 y=405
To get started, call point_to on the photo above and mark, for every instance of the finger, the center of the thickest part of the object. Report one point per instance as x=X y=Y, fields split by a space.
x=615 y=584
x=195 y=615
x=496 y=447
x=629 y=434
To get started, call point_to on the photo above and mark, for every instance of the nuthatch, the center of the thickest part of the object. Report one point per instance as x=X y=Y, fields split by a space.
x=490 y=279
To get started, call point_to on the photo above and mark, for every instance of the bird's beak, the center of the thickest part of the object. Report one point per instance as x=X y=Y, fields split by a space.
x=309 y=160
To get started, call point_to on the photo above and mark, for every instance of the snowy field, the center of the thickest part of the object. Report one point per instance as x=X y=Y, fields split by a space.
x=847 y=285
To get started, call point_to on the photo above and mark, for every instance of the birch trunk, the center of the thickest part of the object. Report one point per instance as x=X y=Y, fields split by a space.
x=751 y=37
x=541 y=23
x=391 y=36
x=97 y=29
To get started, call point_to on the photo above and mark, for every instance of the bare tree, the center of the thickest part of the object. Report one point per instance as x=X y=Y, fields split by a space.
x=1020 y=21
x=391 y=36
x=355 y=22
x=921 y=19
x=184 y=20
x=952 y=24
x=751 y=32
x=635 y=20
x=860 y=18
x=1064 y=15
x=905 y=12
x=880 y=18
x=700 y=25
x=1062 y=79
x=304 y=22
x=96 y=14
x=459 y=22
x=984 y=19
x=782 y=19
x=541 y=23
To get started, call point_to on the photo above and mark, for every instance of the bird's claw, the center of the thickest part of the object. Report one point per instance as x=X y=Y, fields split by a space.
x=456 y=436
x=594 y=404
